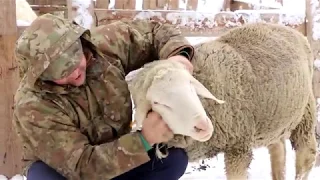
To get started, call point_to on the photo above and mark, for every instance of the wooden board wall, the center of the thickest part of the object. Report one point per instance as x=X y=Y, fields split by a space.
x=10 y=147
x=206 y=24
x=191 y=22
x=49 y=6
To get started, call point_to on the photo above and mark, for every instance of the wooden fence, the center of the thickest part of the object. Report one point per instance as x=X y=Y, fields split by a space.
x=187 y=17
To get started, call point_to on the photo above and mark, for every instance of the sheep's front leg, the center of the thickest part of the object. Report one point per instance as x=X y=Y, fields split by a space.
x=277 y=153
x=237 y=162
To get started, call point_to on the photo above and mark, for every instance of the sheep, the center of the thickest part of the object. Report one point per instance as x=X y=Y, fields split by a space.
x=263 y=75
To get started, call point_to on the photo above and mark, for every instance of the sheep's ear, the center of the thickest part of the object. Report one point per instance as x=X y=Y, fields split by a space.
x=131 y=75
x=203 y=91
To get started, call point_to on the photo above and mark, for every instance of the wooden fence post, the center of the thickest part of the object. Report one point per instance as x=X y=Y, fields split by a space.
x=10 y=147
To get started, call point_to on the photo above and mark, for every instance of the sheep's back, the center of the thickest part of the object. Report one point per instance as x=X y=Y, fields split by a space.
x=264 y=73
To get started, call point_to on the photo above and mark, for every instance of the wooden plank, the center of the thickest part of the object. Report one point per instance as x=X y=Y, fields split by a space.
x=71 y=10
x=192 y=5
x=48 y=8
x=10 y=146
x=227 y=5
x=102 y=4
x=30 y=1
x=173 y=4
x=125 y=4
x=161 y=4
x=149 y=4
x=198 y=23
x=47 y=2
x=236 y=5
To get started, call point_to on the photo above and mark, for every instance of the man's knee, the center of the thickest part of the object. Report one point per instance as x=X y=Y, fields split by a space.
x=176 y=163
x=178 y=157
x=169 y=168
x=39 y=171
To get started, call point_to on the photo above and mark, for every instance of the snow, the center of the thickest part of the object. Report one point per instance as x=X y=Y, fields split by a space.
x=260 y=168
x=16 y=177
x=24 y=14
x=83 y=16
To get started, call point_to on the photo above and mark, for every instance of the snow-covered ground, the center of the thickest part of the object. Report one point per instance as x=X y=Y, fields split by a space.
x=260 y=168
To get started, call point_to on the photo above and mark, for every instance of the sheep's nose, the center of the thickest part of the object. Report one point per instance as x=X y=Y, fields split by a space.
x=202 y=126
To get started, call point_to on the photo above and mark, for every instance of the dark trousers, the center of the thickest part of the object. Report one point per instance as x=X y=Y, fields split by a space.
x=170 y=168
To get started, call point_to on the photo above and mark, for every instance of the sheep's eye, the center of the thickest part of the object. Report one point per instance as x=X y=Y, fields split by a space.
x=157 y=103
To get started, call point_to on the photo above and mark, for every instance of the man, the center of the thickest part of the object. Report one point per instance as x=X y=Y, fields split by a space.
x=73 y=108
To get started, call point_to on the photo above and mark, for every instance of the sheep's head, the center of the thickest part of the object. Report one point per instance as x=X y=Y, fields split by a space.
x=168 y=88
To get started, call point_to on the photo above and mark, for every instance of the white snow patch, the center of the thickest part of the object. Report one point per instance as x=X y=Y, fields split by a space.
x=316 y=64
x=24 y=13
x=15 y=177
x=23 y=23
x=83 y=16
x=200 y=39
x=2 y=177
x=18 y=177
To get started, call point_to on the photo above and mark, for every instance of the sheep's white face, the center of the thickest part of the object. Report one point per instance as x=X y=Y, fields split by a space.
x=174 y=95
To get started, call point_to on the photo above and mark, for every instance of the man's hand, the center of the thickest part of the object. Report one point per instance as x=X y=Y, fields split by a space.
x=183 y=60
x=155 y=130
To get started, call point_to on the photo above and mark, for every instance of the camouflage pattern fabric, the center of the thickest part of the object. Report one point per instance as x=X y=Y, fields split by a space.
x=84 y=132
x=70 y=59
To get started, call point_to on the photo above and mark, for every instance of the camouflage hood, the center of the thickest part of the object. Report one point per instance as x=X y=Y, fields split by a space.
x=48 y=44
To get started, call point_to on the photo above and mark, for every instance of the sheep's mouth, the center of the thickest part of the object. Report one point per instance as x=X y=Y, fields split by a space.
x=204 y=138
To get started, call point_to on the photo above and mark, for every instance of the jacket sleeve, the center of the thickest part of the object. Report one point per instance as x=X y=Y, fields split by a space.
x=138 y=42
x=56 y=140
